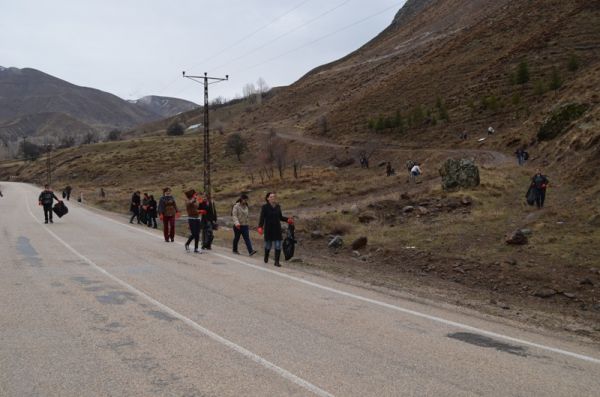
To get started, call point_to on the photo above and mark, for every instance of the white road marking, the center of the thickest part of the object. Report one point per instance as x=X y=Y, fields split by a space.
x=388 y=305
x=245 y=352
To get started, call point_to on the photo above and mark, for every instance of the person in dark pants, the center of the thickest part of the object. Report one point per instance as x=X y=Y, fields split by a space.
x=241 y=228
x=539 y=183
x=192 y=206
x=167 y=211
x=144 y=209
x=152 y=213
x=269 y=223
x=135 y=207
x=46 y=199
x=68 y=191
x=209 y=221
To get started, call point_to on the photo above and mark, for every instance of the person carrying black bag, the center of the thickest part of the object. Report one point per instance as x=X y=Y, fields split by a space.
x=209 y=222
x=46 y=200
x=269 y=223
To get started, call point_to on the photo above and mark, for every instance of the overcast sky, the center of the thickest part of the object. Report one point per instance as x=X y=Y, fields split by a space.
x=133 y=48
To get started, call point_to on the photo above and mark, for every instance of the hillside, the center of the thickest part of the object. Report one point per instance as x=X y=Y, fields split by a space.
x=442 y=67
x=34 y=104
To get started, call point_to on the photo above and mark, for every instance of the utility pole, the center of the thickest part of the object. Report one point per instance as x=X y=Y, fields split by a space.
x=206 y=80
x=48 y=163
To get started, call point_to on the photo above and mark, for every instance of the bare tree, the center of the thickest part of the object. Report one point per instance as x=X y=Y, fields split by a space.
x=236 y=144
x=89 y=138
x=250 y=92
x=296 y=159
x=364 y=154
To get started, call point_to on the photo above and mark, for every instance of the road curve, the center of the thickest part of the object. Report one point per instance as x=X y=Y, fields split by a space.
x=93 y=306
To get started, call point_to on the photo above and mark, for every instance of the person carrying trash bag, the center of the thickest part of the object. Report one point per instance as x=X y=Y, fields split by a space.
x=151 y=212
x=269 y=224
x=167 y=211
x=46 y=200
x=192 y=206
x=240 y=214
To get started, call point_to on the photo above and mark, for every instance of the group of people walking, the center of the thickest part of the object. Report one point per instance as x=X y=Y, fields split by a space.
x=201 y=214
x=202 y=220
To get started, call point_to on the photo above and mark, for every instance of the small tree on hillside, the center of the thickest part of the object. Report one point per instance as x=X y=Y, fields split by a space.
x=236 y=144
x=89 y=138
x=555 y=80
x=323 y=125
x=175 y=129
x=573 y=63
x=522 y=75
x=114 y=135
x=66 y=142
x=30 y=151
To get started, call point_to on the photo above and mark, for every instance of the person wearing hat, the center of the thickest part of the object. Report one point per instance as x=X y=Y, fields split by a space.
x=240 y=215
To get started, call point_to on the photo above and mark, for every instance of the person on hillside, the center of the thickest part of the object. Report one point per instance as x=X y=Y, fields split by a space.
x=269 y=224
x=144 y=209
x=241 y=228
x=539 y=183
x=415 y=171
x=491 y=130
x=167 y=211
x=409 y=165
x=102 y=193
x=68 y=191
x=389 y=171
x=192 y=206
x=134 y=207
x=209 y=222
x=152 y=212
x=46 y=199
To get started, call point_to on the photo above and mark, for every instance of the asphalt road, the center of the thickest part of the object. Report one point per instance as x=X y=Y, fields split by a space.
x=93 y=306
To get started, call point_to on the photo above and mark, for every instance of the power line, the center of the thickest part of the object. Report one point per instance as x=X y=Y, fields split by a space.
x=322 y=37
x=343 y=3
x=246 y=37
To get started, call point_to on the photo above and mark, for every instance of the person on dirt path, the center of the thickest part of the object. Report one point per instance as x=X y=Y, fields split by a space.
x=269 y=223
x=415 y=171
x=389 y=171
x=167 y=211
x=240 y=214
x=68 y=191
x=134 y=207
x=209 y=222
x=144 y=209
x=192 y=207
x=539 y=183
x=46 y=199
x=152 y=212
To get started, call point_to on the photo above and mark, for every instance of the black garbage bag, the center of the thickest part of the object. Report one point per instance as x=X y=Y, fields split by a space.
x=289 y=243
x=60 y=209
x=530 y=196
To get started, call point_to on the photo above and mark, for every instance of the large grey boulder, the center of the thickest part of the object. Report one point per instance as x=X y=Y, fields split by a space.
x=459 y=173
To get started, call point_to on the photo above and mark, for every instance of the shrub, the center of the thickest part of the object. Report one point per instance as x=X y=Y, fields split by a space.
x=540 y=88
x=573 y=63
x=236 y=144
x=555 y=80
x=114 y=135
x=175 y=129
x=30 y=151
x=522 y=75
x=560 y=120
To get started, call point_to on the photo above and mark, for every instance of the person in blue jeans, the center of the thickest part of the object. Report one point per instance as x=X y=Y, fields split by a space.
x=269 y=223
x=240 y=215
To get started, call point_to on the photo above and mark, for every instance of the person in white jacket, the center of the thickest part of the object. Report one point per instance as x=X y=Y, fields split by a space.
x=415 y=171
x=240 y=215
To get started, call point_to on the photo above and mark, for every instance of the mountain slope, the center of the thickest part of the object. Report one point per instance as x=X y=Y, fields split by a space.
x=164 y=106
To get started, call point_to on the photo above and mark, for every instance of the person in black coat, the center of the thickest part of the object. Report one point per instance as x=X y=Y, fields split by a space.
x=135 y=207
x=539 y=183
x=269 y=224
x=46 y=199
x=209 y=222
x=151 y=212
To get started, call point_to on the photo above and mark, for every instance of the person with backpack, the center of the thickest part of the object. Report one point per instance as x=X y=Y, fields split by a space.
x=167 y=211
x=192 y=206
x=134 y=207
x=46 y=199
x=269 y=224
x=209 y=222
x=539 y=183
x=240 y=214
x=151 y=212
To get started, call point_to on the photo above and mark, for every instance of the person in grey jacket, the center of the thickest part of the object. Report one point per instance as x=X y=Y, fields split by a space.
x=240 y=215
